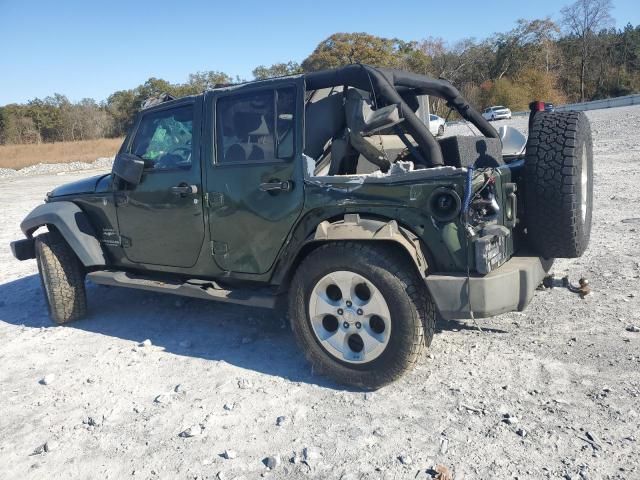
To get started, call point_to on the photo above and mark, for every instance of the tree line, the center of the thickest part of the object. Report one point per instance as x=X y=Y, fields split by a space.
x=579 y=58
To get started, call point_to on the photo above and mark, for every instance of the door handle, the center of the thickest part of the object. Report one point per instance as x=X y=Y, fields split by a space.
x=277 y=186
x=184 y=189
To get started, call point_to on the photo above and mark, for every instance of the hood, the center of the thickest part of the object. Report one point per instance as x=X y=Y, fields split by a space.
x=86 y=185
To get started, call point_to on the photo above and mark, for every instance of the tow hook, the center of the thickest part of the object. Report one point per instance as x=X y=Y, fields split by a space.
x=583 y=289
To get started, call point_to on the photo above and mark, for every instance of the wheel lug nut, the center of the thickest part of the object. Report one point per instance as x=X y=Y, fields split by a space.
x=345 y=324
x=340 y=311
x=359 y=311
x=358 y=325
x=348 y=303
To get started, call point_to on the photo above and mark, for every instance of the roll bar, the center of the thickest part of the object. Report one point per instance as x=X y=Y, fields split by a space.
x=394 y=86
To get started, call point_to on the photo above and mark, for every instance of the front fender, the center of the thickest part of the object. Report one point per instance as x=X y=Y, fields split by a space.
x=73 y=224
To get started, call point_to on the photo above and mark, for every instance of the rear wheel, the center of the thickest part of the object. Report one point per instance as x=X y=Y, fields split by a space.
x=441 y=130
x=361 y=313
x=62 y=276
x=559 y=184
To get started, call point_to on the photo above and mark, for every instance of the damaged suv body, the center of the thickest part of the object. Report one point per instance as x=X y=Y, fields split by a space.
x=325 y=189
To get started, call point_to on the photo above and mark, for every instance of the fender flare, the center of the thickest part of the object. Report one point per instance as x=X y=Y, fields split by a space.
x=356 y=228
x=74 y=226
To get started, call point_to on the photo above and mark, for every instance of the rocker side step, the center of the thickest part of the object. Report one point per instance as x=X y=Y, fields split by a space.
x=207 y=290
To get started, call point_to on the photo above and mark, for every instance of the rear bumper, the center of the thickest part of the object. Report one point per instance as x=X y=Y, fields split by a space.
x=23 y=249
x=507 y=288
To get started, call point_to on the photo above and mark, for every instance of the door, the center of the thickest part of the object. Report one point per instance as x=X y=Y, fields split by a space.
x=161 y=219
x=255 y=181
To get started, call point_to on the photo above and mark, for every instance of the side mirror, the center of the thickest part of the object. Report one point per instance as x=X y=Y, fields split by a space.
x=128 y=167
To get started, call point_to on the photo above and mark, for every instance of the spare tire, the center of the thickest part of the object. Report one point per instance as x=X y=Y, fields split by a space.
x=559 y=184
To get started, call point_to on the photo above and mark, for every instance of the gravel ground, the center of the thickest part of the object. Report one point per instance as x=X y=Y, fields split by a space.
x=103 y=163
x=219 y=391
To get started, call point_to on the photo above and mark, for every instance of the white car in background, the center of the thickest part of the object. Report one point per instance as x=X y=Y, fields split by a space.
x=496 y=113
x=436 y=125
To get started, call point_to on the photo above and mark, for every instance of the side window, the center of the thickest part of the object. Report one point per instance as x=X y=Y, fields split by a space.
x=164 y=139
x=256 y=127
x=433 y=118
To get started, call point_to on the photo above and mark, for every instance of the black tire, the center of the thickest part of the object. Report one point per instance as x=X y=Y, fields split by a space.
x=412 y=311
x=62 y=277
x=558 y=206
x=441 y=130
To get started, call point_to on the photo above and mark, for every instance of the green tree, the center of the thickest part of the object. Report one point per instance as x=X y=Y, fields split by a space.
x=346 y=48
x=527 y=44
x=505 y=92
x=276 y=70
x=17 y=126
x=122 y=106
x=583 y=19
x=200 y=81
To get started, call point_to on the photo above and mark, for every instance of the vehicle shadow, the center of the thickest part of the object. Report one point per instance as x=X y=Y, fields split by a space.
x=250 y=338
x=443 y=325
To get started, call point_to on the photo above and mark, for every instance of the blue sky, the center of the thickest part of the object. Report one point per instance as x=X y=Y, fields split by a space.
x=93 y=48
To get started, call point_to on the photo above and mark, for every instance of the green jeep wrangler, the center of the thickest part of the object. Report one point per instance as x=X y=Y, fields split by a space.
x=328 y=190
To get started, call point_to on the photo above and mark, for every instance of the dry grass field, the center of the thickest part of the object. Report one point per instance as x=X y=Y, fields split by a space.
x=20 y=156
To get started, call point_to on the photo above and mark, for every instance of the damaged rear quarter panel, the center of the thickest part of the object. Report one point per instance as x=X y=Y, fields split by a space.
x=404 y=200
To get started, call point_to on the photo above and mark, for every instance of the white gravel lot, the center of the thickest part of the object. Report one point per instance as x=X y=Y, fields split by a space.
x=566 y=371
x=103 y=163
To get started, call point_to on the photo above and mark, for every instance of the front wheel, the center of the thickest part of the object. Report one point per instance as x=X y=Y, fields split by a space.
x=441 y=130
x=361 y=313
x=62 y=276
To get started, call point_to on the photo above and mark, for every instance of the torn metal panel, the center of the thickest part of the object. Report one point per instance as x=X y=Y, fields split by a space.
x=399 y=172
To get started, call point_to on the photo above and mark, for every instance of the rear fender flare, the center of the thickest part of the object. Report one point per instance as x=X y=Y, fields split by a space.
x=74 y=226
x=356 y=228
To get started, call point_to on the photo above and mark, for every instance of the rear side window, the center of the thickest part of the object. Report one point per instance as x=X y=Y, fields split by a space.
x=164 y=139
x=256 y=127
x=285 y=123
